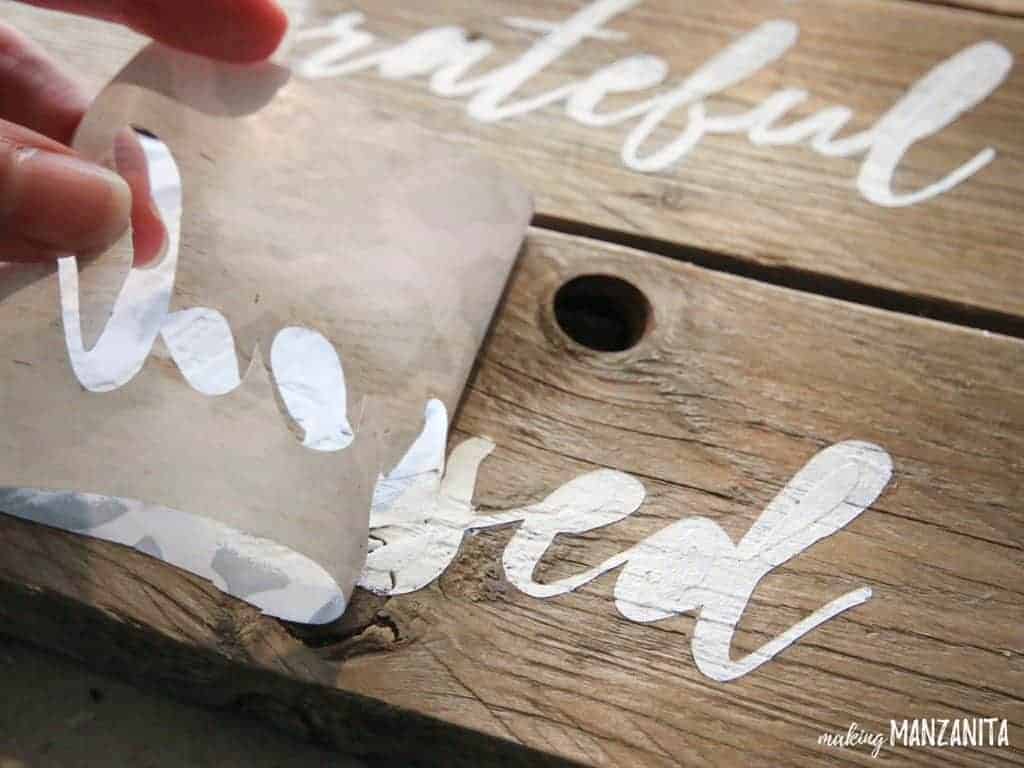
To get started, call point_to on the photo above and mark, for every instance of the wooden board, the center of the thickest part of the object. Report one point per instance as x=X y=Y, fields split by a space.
x=781 y=214
x=1008 y=7
x=734 y=388
x=62 y=714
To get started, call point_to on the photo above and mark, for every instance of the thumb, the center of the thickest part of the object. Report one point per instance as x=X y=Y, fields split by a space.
x=52 y=202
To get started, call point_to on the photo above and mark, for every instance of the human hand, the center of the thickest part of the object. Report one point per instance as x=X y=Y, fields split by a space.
x=52 y=202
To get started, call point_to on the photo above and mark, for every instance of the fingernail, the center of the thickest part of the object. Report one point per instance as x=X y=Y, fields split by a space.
x=63 y=202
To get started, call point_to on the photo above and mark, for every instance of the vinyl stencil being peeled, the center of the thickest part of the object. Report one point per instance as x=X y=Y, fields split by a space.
x=229 y=406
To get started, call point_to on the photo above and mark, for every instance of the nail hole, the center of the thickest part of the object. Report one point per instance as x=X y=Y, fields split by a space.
x=602 y=312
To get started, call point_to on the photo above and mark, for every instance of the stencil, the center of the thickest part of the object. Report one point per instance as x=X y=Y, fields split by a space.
x=325 y=273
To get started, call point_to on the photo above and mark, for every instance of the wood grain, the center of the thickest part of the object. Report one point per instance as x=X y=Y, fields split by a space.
x=785 y=211
x=1006 y=7
x=54 y=712
x=733 y=389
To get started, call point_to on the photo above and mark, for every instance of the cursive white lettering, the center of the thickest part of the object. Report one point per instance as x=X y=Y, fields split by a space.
x=420 y=515
x=446 y=55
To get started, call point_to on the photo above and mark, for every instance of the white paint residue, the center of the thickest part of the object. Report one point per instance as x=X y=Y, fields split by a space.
x=636 y=73
x=423 y=509
x=422 y=464
x=739 y=61
x=309 y=377
x=547 y=27
x=298 y=11
x=701 y=569
x=346 y=40
x=426 y=454
x=306 y=367
x=936 y=100
x=421 y=517
x=446 y=55
x=298 y=588
x=311 y=382
x=201 y=344
x=141 y=306
x=128 y=337
x=591 y=501
x=164 y=180
x=692 y=565
x=488 y=103
x=820 y=128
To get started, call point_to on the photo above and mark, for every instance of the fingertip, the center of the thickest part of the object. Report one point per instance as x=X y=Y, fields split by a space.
x=110 y=211
x=149 y=236
x=270 y=24
x=242 y=31
x=63 y=203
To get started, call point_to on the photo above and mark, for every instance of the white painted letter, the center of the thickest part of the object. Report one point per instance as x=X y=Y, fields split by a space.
x=933 y=102
x=736 y=63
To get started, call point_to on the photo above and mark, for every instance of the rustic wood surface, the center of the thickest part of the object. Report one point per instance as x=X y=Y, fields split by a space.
x=55 y=713
x=736 y=385
x=760 y=207
x=1008 y=7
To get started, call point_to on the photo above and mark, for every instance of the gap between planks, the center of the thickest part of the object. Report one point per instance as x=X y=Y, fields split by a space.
x=1010 y=8
x=785 y=276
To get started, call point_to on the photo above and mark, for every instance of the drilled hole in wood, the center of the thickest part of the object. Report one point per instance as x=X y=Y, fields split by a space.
x=602 y=312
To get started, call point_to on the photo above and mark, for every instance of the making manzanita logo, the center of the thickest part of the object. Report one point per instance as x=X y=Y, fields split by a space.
x=964 y=732
x=854 y=737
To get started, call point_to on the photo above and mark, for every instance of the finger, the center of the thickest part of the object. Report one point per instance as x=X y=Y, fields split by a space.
x=148 y=232
x=51 y=201
x=234 y=30
x=19 y=250
x=34 y=92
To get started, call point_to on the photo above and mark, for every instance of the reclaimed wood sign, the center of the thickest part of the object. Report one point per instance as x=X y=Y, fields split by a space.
x=691 y=565
x=448 y=58
x=715 y=495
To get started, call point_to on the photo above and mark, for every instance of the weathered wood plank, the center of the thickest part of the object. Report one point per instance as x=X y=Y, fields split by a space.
x=1007 y=7
x=785 y=210
x=166 y=630
x=54 y=712
x=735 y=386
